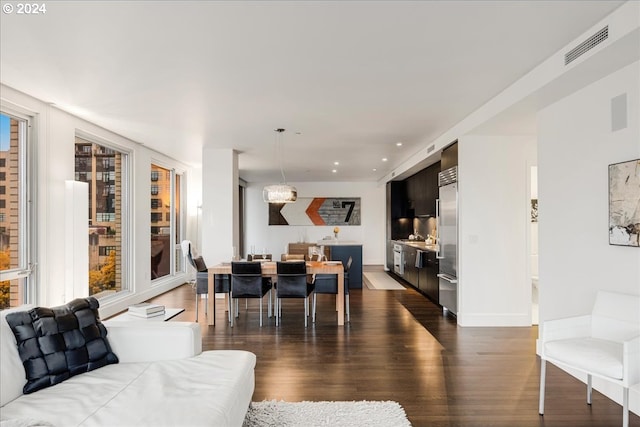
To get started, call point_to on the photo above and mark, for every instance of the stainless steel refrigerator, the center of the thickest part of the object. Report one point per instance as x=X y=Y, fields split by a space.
x=447 y=224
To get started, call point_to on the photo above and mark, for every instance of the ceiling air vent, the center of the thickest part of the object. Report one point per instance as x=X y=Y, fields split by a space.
x=586 y=45
x=431 y=148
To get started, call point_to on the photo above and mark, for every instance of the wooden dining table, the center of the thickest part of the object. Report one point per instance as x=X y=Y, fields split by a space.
x=269 y=269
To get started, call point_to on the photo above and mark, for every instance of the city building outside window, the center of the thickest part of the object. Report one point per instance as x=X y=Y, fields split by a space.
x=105 y=170
x=166 y=258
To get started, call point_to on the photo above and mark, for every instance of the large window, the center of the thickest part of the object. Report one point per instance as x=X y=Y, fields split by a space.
x=104 y=169
x=16 y=265
x=166 y=222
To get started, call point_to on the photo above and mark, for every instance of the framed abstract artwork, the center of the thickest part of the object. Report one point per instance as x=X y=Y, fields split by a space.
x=624 y=203
x=316 y=211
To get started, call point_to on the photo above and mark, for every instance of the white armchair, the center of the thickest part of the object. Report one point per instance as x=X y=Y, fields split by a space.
x=604 y=344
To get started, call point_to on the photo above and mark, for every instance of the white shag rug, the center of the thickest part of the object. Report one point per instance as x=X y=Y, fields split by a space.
x=381 y=281
x=272 y=413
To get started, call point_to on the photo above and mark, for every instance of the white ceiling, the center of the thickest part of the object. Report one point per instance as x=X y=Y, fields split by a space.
x=353 y=78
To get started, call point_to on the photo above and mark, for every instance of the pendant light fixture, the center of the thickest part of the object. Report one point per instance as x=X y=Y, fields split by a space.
x=279 y=193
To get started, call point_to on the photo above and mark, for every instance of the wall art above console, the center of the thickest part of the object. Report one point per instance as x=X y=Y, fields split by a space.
x=316 y=211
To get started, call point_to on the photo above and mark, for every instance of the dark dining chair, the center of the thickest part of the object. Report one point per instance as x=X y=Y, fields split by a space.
x=246 y=282
x=221 y=281
x=265 y=279
x=296 y=257
x=328 y=284
x=292 y=283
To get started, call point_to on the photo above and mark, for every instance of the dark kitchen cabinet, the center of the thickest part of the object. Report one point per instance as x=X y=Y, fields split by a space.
x=422 y=191
x=430 y=182
x=428 y=278
x=422 y=206
x=397 y=199
x=410 y=269
x=414 y=194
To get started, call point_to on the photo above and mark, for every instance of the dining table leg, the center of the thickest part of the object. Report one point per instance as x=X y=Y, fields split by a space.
x=340 y=299
x=211 y=319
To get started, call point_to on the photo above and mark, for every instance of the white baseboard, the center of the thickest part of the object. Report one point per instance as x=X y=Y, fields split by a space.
x=494 y=319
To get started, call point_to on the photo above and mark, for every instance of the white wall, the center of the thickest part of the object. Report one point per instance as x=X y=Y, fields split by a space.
x=576 y=145
x=371 y=233
x=493 y=191
x=54 y=134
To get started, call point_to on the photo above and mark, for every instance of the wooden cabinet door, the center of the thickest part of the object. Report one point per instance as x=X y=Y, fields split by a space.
x=398 y=196
x=410 y=269
x=432 y=286
x=430 y=182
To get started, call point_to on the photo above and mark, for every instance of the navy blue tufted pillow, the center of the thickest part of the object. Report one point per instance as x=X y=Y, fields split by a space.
x=60 y=342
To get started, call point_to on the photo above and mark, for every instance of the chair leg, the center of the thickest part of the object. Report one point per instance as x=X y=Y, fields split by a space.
x=277 y=308
x=543 y=372
x=589 y=388
x=314 y=303
x=625 y=407
x=197 y=306
x=261 y=312
x=306 y=311
x=229 y=311
x=231 y=304
x=348 y=313
x=269 y=305
x=206 y=305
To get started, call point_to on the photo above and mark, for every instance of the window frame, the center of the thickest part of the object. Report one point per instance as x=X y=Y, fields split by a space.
x=27 y=178
x=126 y=213
x=175 y=223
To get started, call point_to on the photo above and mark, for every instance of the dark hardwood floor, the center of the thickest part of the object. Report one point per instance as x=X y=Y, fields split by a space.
x=399 y=346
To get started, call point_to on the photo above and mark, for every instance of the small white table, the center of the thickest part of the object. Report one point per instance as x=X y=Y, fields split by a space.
x=169 y=313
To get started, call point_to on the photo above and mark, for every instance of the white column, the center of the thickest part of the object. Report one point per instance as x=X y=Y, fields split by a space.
x=220 y=213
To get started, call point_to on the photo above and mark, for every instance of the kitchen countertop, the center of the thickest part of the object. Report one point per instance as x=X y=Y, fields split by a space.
x=418 y=244
x=338 y=242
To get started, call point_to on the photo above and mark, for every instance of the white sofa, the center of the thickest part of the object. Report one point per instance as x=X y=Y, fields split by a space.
x=603 y=344
x=163 y=378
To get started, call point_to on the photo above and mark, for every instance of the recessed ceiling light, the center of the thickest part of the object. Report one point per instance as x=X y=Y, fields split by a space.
x=334 y=171
x=399 y=144
x=384 y=159
x=374 y=169
x=336 y=163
